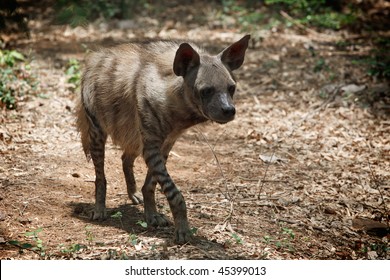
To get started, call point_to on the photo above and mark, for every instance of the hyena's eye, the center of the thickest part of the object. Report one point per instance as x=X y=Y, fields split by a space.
x=231 y=89
x=207 y=92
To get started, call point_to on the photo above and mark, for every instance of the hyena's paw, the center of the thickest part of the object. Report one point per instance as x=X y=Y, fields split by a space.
x=99 y=214
x=136 y=198
x=182 y=235
x=157 y=220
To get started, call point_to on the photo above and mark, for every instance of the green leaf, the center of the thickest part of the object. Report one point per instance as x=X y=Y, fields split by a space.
x=43 y=96
x=34 y=232
x=142 y=224
x=14 y=242
x=17 y=55
x=117 y=215
x=21 y=245
x=193 y=230
x=26 y=245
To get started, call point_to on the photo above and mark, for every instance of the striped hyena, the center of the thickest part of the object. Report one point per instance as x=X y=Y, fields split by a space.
x=144 y=96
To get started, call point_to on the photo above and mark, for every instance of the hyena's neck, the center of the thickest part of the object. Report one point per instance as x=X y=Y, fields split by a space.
x=184 y=111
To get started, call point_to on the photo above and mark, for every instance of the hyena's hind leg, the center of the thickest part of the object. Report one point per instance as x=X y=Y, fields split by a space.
x=127 y=164
x=97 y=141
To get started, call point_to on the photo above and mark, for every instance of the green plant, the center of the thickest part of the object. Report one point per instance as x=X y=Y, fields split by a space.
x=113 y=254
x=299 y=5
x=118 y=215
x=16 y=79
x=72 y=248
x=319 y=13
x=10 y=57
x=80 y=12
x=288 y=232
x=133 y=239
x=379 y=60
x=377 y=64
x=193 y=230
x=267 y=239
x=329 y=19
x=89 y=235
x=284 y=241
x=319 y=65
x=73 y=72
x=38 y=246
x=379 y=68
x=381 y=248
x=75 y=12
x=246 y=14
x=237 y=238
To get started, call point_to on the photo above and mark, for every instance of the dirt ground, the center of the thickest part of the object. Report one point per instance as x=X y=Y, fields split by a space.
x=303 y=172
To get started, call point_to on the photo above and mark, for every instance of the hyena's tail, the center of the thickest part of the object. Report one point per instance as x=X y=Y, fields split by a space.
x=93 y=137
x=84 y=126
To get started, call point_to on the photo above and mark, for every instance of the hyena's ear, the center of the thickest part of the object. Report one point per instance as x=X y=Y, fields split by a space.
x=233 y=56
x=186 y=58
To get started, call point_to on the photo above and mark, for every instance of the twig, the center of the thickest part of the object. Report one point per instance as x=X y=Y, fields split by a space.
x=299 y=223
x=305 y=28
x=218 y=164
x=227 y=195
x=297 y=23
x=265 y=174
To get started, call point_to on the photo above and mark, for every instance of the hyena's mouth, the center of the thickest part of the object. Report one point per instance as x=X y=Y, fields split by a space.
x=224 y=121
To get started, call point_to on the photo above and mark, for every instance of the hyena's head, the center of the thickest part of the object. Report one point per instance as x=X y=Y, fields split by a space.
x=210 y=78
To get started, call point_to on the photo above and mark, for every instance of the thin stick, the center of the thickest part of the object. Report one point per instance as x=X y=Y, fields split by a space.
x=297 y=23
x=265 y=175
x=323 y=37
x=227 y=195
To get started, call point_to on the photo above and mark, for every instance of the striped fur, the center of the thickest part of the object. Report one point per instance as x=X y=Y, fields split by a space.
x=144 y=96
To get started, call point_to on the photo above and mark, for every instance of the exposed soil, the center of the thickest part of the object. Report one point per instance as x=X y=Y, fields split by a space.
x=303 y=172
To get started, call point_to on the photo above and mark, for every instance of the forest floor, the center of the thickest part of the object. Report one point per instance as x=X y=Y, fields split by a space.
x=303 y=172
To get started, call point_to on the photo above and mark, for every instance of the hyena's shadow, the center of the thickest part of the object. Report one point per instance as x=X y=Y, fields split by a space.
x=129 y=220
x=126 y=217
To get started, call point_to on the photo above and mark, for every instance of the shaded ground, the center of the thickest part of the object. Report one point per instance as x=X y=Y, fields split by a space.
x=330 y=164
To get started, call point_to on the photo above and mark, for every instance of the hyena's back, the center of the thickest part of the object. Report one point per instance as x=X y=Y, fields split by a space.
x=115 y=82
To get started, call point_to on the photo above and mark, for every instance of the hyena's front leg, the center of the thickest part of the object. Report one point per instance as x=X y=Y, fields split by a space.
x=153 y=218
x=127 y=164
x=156 y=166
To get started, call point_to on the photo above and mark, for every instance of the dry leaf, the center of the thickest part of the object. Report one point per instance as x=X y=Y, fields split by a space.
x=272 y=159
x=352 y=88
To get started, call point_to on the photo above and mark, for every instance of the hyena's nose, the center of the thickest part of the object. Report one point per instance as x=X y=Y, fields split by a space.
x=229 y=111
